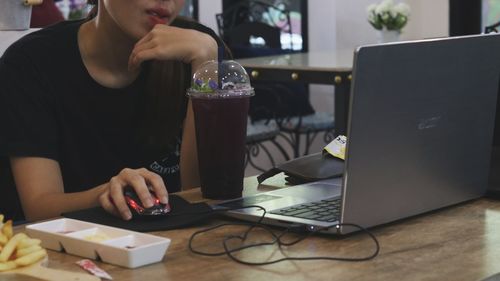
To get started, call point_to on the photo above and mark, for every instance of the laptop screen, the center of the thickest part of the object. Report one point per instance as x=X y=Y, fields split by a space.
x=420 y=126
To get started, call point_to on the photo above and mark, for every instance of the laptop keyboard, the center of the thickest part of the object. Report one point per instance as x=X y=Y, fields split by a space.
x=327 y=210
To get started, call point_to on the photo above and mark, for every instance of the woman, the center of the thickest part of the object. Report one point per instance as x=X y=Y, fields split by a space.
x=91 y=107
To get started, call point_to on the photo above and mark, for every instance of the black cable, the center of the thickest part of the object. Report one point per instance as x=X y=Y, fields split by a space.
x=373 y=255
x=277 y=239
x=244 y=236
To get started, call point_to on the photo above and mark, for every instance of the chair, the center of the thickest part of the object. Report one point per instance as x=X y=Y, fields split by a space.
x=257 y=134
x=264 y=129
x=254 y=28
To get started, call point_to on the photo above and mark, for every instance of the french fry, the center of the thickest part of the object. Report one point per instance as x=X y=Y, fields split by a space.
x=7 y=265
x=17 y=250
x=7 y=229
x=11 y=246
x=3 y=239
x=25 y=251
x=31 y=258
x=28 y=242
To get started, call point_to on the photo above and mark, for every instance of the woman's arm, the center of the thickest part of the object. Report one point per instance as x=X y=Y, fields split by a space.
x=41 y=190
x=165 y=42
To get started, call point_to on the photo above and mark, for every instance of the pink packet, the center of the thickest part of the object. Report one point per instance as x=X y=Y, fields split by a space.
x=91 y=267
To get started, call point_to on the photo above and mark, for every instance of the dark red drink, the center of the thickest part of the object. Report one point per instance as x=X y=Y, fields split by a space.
x=221 y=124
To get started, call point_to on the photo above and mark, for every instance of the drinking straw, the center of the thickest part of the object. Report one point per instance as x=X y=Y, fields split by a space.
x=220 y=57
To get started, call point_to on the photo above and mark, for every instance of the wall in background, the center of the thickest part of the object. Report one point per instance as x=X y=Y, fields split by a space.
x=342 y=24
x=429 y=18
x=208 y=10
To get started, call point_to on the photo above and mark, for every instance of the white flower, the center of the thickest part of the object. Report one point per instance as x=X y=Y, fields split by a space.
x=388 y=15
x=401 y=8
x=380 y=9
x=371 y=9
x=371 y=17
x=384 y=7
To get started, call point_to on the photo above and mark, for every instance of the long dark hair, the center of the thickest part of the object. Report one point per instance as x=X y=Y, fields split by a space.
x=165 y=100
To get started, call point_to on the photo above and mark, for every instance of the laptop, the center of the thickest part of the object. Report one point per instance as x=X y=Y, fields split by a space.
x=419 y=137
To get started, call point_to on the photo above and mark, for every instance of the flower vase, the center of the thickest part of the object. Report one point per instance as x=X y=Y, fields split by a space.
x=386 y=36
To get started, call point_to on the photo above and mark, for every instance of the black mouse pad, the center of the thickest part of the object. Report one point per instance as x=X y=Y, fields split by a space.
x=182 y=214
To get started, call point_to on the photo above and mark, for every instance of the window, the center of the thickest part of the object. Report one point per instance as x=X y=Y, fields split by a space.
x=190 y=9
x=491 y=12
x=297 y=41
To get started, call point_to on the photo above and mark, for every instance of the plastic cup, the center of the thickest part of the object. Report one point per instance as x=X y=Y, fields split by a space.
x=220 y=94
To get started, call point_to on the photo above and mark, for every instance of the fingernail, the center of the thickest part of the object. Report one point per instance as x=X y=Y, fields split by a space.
x=128 y=216
x=148 y=203
x=164 y=199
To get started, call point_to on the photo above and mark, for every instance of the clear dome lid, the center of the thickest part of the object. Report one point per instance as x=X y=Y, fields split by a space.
x=220 y=79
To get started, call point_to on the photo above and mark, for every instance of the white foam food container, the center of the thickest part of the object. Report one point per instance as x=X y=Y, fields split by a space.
x=94 y=241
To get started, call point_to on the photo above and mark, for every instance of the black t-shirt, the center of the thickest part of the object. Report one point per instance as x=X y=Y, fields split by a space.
x=51 y=107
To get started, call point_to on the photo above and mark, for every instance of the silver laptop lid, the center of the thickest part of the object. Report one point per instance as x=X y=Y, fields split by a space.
x=420 y=126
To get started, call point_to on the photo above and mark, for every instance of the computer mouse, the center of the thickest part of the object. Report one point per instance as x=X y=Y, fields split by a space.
x=138 y=210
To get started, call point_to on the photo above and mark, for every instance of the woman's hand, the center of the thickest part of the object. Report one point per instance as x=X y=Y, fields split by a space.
x=165 y=42
x=113 y=201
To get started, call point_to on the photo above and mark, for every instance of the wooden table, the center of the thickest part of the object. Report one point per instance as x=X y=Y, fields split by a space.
x=456 y=243
x=332 y=68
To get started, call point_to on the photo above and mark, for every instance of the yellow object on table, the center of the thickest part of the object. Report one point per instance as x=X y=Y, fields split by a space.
x=336 y=147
